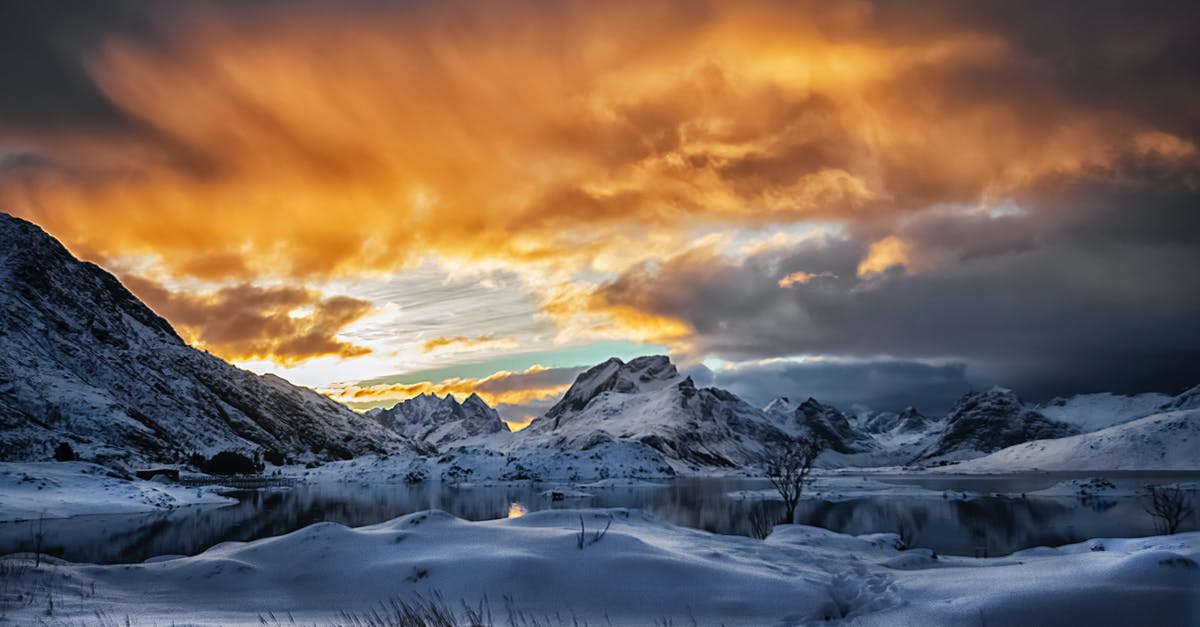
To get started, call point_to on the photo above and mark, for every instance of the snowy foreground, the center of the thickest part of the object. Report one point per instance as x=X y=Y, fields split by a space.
x=640 y=571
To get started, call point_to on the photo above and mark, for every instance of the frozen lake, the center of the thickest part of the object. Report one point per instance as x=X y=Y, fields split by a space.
x=994 y=524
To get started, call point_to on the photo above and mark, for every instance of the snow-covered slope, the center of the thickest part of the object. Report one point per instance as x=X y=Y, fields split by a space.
x=441 y=421
x=1189 y=399
x=85 y=362
x=1165 y=441
x=1091 y=412
x=984 y=422
x=647 y=401
x=615 y=567
x=33 y=490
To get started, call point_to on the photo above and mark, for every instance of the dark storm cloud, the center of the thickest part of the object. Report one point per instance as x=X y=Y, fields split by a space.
x=884 y=385
x=1013 y=184
x=1142 y=58
x=1107 y=304
x=43 y=47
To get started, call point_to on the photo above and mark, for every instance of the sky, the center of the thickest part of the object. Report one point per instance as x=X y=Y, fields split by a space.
x=879 y=203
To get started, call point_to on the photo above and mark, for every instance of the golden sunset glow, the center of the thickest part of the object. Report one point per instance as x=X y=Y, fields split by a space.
x=286 y=170
x=492 y=389
x=517 y=425
x=888 y=252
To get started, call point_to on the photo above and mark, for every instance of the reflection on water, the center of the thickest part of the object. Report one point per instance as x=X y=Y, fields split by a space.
x=996 y=524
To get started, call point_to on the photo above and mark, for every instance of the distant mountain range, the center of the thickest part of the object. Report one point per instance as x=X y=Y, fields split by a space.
x=82 y=361
x=440 y=421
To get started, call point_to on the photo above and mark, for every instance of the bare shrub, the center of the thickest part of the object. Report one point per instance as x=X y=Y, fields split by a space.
x=1169 y=507
x=581 y=538
x=762 y=522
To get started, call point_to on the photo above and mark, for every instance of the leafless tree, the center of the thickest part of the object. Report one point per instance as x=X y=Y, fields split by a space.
x=788 y=464
x=1169 y=507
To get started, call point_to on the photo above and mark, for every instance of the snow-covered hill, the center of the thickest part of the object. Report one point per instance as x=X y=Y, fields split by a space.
x=441 y=421
x=1164 y=441
x=1091 y=412
x=984 y=422
x=83 y=361
x=647 y=401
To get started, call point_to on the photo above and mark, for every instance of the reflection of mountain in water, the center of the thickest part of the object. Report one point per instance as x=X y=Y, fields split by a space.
x=950 y=526
x=997 y=524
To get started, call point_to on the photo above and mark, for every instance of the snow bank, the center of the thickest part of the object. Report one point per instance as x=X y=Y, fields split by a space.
x=639 y=571
x=60 y=489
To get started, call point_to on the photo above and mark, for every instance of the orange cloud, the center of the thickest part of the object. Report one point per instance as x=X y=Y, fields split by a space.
x=461 y=341
x=884 y=254
x=582 y=311
x=801 y=278
x=556 y=141
x=501 y=388
x=285 y=324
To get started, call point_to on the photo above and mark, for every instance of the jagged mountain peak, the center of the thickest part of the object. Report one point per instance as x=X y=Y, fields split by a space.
x=647 y=402
x=830 y=427
x=812 y=405
x=911 y=420
x=780 y=406
x=642 y=374
x=983 y=422
x=474 y=399
x=441 y=420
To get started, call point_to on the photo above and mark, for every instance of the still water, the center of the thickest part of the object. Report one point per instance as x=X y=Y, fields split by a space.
x=993 y=524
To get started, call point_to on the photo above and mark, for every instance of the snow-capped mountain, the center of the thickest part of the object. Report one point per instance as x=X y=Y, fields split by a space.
x=441 y=421
x=85 y=362
x=647 y=402
x=1161 y=441
x=828 y=425
x=911 y=420
x=1166 y=437
x=780 y=407
x=908 y=420
x=984 y=422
